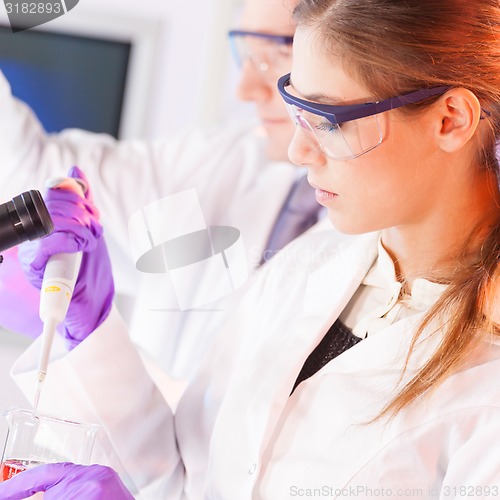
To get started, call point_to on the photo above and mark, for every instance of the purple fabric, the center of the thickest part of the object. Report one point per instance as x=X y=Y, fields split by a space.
x=66 y=481
x=298 y=214
x=77 y=228
x=18 y=298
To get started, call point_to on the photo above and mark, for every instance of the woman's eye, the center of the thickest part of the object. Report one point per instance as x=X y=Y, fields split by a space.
x=328 y=126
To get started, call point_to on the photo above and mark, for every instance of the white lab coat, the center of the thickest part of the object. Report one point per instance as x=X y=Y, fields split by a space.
x=235 y=183
x=237 y=434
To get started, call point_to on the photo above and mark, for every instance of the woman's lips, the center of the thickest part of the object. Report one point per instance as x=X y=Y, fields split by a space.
x=323 y=196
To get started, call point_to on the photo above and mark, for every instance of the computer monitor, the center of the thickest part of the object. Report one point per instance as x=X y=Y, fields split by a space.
x=91 y=73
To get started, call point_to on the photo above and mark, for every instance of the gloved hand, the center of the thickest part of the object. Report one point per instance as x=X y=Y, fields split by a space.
x=66 y=481
x=76 y=228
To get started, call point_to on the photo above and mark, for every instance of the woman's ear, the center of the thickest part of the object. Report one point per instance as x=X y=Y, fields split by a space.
x=459 y=113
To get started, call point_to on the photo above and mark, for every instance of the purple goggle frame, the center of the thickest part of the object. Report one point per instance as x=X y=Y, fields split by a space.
x=282 y=39
x=341 y=114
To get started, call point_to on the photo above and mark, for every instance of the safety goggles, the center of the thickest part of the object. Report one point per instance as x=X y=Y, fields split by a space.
x=349 y=131
x=270 y=54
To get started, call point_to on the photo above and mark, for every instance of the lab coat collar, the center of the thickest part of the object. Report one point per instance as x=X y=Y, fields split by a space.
x=273 y=367
x=329 y=289
x=423 y=293
x=322 y=295
x=389 y=347
x=331 y=286
x=269 y=364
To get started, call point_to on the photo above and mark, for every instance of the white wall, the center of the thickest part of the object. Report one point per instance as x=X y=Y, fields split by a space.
x=192 y=60
x=11 y=345
x=189 y=44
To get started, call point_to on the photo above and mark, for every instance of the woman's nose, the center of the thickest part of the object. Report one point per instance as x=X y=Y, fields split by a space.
x=301 y=152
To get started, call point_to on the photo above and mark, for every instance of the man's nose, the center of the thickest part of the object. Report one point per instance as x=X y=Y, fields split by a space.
x=253 y=84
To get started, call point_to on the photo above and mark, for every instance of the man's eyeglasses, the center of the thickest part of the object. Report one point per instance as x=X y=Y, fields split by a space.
x=348 y=131
x=269 y=53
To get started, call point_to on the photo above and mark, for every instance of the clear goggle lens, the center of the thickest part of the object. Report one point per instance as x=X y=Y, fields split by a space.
x=338 y=141
x=266 y=55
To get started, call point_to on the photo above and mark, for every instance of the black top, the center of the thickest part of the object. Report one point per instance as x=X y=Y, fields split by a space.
x=338 y=339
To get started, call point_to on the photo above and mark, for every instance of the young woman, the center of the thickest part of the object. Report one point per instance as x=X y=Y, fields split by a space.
x=362 y=370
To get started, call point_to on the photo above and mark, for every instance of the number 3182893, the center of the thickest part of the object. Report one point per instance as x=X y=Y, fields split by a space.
x=33 y=8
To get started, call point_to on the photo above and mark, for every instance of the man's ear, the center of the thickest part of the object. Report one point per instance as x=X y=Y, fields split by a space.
x=459 y=112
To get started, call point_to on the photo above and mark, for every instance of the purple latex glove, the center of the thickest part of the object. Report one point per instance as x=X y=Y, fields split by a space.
x=66 y=481
x=76 y=228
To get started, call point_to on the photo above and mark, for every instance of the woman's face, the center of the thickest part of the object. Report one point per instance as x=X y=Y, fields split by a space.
x=395 y=184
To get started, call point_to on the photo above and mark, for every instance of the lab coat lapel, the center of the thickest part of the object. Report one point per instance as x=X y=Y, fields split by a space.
x=325 y=419
x=331 y=286
x=389 y=348
x=259 y=391
x=327 y=292
x=365 y=379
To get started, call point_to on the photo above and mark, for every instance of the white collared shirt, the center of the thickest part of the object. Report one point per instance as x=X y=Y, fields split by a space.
x=379 y=301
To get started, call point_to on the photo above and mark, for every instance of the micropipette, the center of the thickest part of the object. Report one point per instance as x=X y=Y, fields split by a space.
x=59 y=280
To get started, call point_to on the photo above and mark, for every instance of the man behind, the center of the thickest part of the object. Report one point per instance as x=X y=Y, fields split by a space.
x=241 y=177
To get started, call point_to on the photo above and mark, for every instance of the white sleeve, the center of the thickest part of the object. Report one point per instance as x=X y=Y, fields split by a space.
x=103 y=381
x=125 y=176
x=130 y=171
x=474 y=469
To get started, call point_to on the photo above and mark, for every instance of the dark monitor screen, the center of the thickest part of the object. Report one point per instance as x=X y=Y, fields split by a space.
x=68 y=80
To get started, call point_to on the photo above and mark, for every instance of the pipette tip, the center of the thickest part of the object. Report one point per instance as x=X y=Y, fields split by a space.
x=36 y=401
x=38 y=391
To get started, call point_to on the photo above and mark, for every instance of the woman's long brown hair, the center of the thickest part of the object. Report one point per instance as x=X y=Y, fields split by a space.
x=397 y=46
